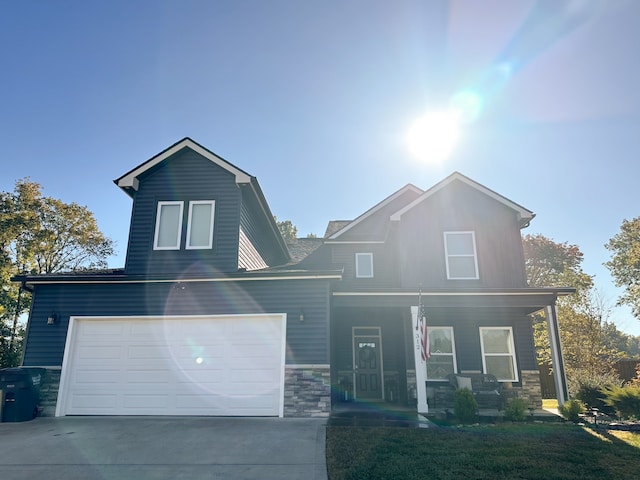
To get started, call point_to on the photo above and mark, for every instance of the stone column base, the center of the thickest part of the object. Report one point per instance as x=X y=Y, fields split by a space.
x=307 y=391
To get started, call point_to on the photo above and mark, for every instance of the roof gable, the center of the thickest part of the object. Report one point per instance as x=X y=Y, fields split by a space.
x=524 y=215
x=130 y=180
x=377 y=208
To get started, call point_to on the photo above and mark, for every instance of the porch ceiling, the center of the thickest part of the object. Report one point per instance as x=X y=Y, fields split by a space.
x=526 y=301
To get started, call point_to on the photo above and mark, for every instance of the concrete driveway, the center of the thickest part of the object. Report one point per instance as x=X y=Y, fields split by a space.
x=163 y=448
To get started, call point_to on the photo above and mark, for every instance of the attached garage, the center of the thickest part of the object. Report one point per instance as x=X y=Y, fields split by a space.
x=187 y=365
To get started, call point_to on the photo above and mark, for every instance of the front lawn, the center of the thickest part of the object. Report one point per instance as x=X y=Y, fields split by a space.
x=504 y=451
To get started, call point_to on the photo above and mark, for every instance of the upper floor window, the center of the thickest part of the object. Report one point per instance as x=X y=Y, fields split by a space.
x=364 y=265
x=168 y=226
x=461 y=258
x=498 y=353
x=200 y=224
x=442 y=348
x=169 y=223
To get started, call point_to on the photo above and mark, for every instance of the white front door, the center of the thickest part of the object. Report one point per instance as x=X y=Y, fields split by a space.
x=213 y=365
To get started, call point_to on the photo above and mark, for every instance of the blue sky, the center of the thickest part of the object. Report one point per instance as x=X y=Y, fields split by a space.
x=315 y=99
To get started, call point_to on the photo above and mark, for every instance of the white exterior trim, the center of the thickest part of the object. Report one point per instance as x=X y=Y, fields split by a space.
x=523 y=213
x=130 y=180
x=376 y=208
x=188 y=280
x=448 y=255
x=511 y=354
x=209 y=245
x=363 y=255
x=71 y=344
x=421 y=366
x=178 y=229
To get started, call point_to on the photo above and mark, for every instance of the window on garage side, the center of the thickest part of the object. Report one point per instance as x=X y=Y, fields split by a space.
x=461 y=258
x=200 y=224
x=442 y=361
x=168 y=226
x=498 y=353
x=364 y=265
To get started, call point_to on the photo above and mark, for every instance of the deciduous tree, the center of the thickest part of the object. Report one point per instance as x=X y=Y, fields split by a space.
x=40 y=235
x=625 y=263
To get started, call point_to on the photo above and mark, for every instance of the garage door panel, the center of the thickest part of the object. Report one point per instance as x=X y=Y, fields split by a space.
x=96 y=376
x=175 y=366
x=95 y=352
x=87 y=402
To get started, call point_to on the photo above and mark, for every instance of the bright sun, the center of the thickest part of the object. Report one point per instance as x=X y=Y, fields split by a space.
x=433 y=136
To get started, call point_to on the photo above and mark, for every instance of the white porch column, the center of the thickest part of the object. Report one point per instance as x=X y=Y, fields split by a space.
x=421 y=366
x=557 y=360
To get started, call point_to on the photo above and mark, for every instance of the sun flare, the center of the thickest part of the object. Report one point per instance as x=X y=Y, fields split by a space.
x=433 y=136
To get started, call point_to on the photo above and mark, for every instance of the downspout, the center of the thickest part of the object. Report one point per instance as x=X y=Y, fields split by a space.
x=557 y=360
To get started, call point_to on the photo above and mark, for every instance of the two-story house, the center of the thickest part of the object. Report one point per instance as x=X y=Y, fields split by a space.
x=213 y=314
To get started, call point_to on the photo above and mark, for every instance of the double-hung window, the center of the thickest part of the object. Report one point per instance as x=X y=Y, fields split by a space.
x=169 y=225
x=442 y=361
x=498 y=353
x=200 y=224
x=460 y=253
x=364 y=265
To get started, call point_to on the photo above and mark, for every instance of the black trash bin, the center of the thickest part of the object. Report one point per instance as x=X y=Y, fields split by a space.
x=20 y=395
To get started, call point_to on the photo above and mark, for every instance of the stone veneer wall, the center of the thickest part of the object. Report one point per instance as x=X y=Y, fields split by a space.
x=412 y=391
x=531 y=390
x=307 y=391
x=49 y=385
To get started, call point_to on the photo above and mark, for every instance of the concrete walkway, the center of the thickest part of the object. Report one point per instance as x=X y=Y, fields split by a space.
x=163 y=448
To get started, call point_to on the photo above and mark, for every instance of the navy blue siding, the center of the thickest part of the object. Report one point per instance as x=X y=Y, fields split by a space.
x=466 y=325
x=420 y=241
x=185 y=176
x=375 y=226
x=307 y=342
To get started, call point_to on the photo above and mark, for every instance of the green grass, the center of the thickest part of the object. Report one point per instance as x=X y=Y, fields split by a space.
x=504 y=451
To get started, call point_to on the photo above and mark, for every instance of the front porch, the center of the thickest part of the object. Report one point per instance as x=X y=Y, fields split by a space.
x=376 y=344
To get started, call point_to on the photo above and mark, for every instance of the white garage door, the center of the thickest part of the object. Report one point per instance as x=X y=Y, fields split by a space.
x=221 y=365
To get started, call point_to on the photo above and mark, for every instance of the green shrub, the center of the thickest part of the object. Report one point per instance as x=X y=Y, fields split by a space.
x=515 y=410
x=624 y=400
x=571 y=410
x=584 y=382
x=465 y=406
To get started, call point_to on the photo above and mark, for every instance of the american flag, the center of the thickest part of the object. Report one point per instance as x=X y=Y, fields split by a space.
x=421 y=326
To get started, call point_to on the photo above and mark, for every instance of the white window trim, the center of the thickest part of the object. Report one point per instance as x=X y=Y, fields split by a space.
x=358 y=274
x=511 y=354
x=188 y=240
x=434 y=353
x=178 y=229
x=475 y=254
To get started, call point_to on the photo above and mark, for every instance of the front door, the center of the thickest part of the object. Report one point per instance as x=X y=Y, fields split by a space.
x=367 y=363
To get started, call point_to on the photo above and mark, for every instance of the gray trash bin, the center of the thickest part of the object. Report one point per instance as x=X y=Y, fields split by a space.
x=20 y=396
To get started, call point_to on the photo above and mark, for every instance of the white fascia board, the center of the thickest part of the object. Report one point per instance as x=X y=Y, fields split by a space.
x=130 y=180
x=522 y=212
x=188 y=280
x=376 y=208
x=450 y=294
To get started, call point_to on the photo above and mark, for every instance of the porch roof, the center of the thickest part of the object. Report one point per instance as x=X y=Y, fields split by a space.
x=526 y=300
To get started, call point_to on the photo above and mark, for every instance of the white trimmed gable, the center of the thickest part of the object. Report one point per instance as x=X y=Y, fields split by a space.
x=130 y=180
x=524 y=215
